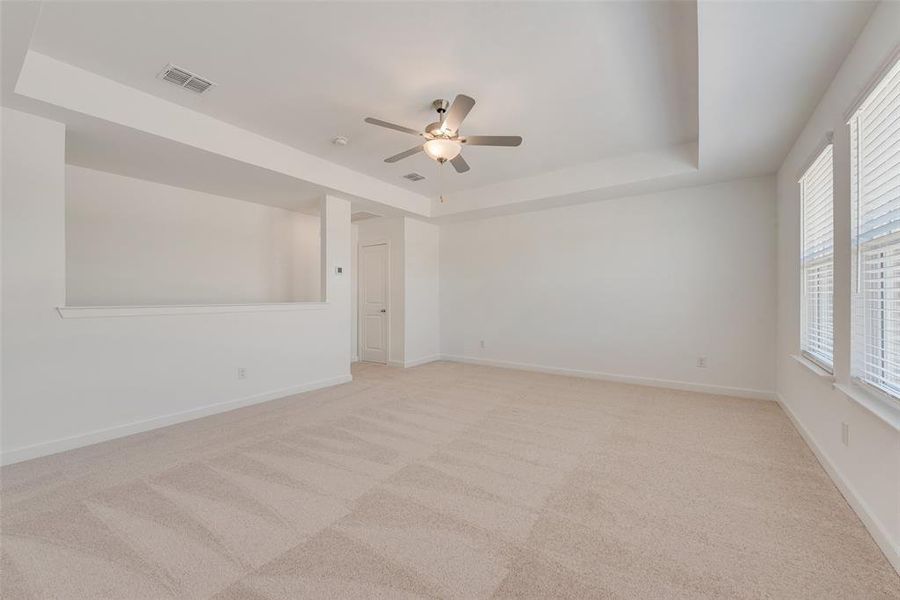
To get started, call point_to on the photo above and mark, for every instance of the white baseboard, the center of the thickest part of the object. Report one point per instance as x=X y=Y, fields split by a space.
x=413 y=363
x=77 y=441
x=422 y=361
x=649 y=381
x=875 y=527
x=354 y=359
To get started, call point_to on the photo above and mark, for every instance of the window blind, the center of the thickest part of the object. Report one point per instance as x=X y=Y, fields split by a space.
x=875 y=196
x=817 y=260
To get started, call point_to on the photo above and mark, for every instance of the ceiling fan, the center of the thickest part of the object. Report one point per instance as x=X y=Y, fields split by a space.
x=442 y=139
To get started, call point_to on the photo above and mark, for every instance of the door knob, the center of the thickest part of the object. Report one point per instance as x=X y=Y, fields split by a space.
x=383 y=310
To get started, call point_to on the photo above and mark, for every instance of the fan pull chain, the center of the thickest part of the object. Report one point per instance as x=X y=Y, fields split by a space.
x=441 y=181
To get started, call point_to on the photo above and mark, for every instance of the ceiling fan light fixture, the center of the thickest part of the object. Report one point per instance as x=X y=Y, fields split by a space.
x=442 y=150
x=442 y=140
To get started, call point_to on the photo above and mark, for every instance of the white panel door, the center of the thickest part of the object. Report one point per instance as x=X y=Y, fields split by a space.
x=374 y=289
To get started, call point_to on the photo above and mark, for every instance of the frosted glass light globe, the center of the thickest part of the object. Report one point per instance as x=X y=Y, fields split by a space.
x=442 y=149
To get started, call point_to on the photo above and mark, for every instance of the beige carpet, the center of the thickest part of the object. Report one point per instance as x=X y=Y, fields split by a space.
x=445 y=481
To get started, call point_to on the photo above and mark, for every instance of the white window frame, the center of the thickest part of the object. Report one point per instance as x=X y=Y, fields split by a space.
x=861 y=374
x=820 y=351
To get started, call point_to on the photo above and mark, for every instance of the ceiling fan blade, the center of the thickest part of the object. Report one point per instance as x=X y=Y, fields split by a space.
x=460 y=164
x=492 y=140
x=394 y=126
x=406 y=154
x=461 y=106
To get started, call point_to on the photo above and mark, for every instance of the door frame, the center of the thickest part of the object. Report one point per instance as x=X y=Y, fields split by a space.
x=387 y=299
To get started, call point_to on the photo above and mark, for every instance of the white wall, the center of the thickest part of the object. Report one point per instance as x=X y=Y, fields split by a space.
x=135 y=242
x=304 y=281
x=635 y=288
x=421 y=287
x=391 y=230
x=867 y=470
x=104 y=377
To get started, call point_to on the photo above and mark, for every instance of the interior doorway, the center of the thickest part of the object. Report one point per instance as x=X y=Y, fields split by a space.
x=374 y=296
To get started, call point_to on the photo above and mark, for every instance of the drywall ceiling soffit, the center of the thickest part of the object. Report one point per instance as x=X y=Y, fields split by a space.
x=102 y=145
x=96 y=111
x=577 y=182
x=82 y=92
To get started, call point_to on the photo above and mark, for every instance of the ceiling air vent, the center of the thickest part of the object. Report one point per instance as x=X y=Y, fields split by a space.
x=413 y=177
x=185 y=79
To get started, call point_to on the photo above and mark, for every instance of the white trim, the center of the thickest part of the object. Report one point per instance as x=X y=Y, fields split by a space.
x=688 y=386
x=101 y=435
x=94 y=312
x=882 y=407
x=827 y=140
x=873 y=82
x=354 y=359
x=421 y=361
x=816 y=368
x=393 y=363
x=875 y=528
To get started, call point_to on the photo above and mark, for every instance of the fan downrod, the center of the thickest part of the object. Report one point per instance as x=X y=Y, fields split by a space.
x=441 y=107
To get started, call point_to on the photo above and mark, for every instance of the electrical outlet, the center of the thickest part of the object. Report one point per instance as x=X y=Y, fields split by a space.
x=241 y=373
x=701 y=362
x=845 y=434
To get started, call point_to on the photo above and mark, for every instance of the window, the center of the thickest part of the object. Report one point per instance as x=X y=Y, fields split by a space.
x=875 y=196
x=817 y=260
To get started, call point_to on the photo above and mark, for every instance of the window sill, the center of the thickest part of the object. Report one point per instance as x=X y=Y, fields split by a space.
x=885 y=409
x=96 y=312
x=816 y=369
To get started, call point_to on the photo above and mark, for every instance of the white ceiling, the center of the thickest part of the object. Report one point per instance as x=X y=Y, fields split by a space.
x=579 y=81
x=764 y=66
x=612 y=98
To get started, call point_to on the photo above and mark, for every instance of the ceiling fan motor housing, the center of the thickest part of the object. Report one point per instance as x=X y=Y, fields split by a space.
x=440 y=105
